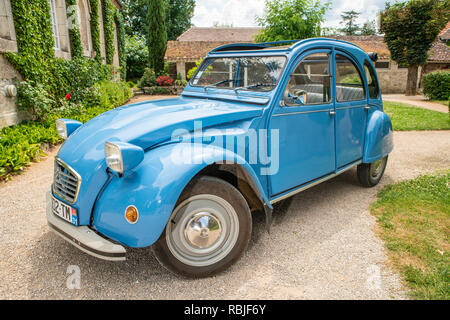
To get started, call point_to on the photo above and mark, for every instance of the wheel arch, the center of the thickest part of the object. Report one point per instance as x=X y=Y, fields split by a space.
x=379 y=140
x=156 y=185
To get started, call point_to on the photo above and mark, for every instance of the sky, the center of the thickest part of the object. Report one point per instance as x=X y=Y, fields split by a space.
x=242 y=13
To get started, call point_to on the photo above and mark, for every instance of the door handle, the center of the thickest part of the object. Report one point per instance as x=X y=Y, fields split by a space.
x=332 y=112
x=367 y=108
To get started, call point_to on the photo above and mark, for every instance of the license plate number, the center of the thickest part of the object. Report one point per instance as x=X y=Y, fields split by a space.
x=64 y=211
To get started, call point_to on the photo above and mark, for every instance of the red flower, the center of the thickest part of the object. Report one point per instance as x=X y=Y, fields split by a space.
x=68 y=96
x=164 y=81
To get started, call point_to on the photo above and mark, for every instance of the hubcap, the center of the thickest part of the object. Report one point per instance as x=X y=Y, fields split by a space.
x=203 y=230
x=376 y=169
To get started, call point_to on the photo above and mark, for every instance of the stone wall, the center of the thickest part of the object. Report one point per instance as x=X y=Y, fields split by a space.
x=9 y=114
x=392 y=79
x=8 y=109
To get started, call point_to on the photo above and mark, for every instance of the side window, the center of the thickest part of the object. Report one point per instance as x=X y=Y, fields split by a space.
x=372 y=83
x=349 y=84
x=310 y=82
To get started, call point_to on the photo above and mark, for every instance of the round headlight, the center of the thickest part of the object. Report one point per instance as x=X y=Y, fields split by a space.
x=61 y=128
x=114 y=157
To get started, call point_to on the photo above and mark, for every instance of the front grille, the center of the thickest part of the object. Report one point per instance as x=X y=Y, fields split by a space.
x=66 y=182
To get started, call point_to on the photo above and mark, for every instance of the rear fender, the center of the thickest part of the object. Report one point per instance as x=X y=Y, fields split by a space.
x=154 y=188
x=379 y=140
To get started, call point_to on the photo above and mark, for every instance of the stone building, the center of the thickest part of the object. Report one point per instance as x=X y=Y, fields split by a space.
x=195 y=44
x=9 y=114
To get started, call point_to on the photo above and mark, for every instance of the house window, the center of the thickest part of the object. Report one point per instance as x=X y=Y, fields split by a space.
x=85 y=28
x=54 y=24
x=382 y=65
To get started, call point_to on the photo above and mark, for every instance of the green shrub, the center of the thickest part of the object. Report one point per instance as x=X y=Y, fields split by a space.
x=180 y=83
x=192 y=71
x=148 y=79
x=436 y=85
x=23 y=143
x=137 y=57
x=34 y=98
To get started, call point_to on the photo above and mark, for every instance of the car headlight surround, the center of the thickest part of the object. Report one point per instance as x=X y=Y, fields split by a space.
x=114 y=158
x=61 y=128
x=123 y=157
x=66 y=127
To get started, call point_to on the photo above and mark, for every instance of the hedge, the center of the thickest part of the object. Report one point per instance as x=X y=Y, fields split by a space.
x=436 y=85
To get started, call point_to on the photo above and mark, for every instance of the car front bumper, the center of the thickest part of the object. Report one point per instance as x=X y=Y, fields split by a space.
x=84 y=238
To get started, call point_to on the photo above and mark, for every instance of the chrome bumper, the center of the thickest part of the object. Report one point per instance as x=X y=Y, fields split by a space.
x=84 y=238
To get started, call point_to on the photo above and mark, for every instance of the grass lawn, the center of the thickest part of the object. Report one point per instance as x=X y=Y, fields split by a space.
x=414 y=221
x=405 y=118
x=444 y=102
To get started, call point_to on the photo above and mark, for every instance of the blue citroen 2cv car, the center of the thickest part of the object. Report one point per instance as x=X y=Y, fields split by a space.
x=256 y=124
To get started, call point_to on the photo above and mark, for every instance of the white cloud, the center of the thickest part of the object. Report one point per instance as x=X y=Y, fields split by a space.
x=368 y=9
x=236 y=12
x=242 y=13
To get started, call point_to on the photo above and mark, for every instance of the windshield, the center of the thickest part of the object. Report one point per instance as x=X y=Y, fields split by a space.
x=246 y=73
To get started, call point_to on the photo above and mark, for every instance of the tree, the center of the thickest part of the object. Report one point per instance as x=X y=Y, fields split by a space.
x=291 y=20
x=410 y=28
x=348 y=20
x=369 y=28
x=179 y=14
x=157 y=34
x=137 y=57
x=135 y=14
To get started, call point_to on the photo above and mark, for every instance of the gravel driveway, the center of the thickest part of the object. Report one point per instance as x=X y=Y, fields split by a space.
x=321 y=246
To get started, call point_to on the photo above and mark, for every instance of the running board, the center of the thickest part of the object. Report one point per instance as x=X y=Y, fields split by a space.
x=314 y=183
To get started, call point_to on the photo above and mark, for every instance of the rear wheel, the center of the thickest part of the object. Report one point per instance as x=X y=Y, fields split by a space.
x=208 y=231
x=370 y=174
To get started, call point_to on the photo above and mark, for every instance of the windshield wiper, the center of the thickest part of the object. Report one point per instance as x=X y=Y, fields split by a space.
x=257 y=85
x=218 y=83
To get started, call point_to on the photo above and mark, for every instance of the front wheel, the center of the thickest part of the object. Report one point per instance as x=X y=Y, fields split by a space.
x=370 y=174
x=208 y=231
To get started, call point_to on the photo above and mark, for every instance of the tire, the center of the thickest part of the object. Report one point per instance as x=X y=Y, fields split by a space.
x=370 y=174
x=208 y=231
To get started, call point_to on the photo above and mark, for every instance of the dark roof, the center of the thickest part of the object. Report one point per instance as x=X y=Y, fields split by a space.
x=368 y=44
x=439 y=52
x=445 y=33
x=190 y=50
x=220 y=34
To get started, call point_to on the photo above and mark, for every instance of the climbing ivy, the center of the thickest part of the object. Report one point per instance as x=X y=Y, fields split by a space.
x=44 y=75
x=120 y=23
x=108 y=25
x=74 y=31
x=35 y=40
x=95 y=29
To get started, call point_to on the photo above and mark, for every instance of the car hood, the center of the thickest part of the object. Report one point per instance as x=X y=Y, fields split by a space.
x=150 y=123
x=145 y=125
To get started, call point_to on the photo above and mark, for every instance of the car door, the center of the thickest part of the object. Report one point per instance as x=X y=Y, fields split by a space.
x=351 y=113
x=305 y=123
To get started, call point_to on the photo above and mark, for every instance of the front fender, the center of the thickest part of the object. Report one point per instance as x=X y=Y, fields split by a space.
x=154 y=188
x=379 y=140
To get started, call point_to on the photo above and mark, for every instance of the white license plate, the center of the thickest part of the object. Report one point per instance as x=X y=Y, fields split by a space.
x=64 y=211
